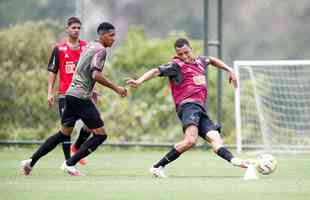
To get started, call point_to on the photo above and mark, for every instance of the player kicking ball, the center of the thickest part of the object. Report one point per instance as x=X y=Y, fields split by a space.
x=79 y=105
x=186 y=75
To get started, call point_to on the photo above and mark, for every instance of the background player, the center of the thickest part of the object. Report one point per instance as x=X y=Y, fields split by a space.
x=64 y=58
x=78 y=103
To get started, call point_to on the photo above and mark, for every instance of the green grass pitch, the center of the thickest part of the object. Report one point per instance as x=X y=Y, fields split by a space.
x=122 y=174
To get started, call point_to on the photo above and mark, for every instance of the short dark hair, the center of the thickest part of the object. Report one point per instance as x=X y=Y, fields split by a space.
x=179 y=43
x=73 y=20
x=105 y=27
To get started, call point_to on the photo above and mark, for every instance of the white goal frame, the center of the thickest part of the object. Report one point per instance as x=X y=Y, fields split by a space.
x=243 y=63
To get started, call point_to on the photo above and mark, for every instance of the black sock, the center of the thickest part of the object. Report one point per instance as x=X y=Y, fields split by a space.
x=169 y=157
x=87 y=148
x=224 y=153
x=47 y=146
x=66 y=147
x=83 y=136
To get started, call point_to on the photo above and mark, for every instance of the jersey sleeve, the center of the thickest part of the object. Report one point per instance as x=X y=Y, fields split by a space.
x=169 y=70
x=53 y=64
x=98 y=60
x=205 y=60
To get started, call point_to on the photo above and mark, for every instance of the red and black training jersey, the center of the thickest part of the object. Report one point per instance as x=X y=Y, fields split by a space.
x=64 y=60
x=187 y=80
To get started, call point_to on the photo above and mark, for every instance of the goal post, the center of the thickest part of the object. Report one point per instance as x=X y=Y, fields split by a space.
x=272 y=105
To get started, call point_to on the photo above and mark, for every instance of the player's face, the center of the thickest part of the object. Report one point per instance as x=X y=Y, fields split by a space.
x=74 y=30
x=185 y=53
x=108 y=38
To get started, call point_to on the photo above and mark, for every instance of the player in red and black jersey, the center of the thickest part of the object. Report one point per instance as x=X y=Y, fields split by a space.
x=63 y=61
x=186 y=75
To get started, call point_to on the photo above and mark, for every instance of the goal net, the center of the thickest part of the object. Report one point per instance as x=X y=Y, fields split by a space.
x=272 y=105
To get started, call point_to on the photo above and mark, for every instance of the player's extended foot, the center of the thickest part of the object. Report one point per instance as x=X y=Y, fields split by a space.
x=25 y=167
x=243 y=163
x=158 y=172
x=83 y=161
x=71 y=170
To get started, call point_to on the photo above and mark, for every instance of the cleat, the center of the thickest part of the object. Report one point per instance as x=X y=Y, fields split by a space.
x=72 y=170
x=83 y=161
x=243 y=163
x=158 y=172
x=25 y=167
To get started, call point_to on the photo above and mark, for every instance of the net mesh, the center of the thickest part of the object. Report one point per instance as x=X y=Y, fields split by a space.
x=274 y=105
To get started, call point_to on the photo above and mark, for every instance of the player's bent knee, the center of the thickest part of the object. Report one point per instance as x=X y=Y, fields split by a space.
x=190 y=142
x=66 y=130
x=99 y=131
x=86 y=128
x=214 y=136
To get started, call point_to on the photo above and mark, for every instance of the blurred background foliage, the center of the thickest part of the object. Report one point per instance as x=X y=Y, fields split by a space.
x=147 y=115
x=267 y=29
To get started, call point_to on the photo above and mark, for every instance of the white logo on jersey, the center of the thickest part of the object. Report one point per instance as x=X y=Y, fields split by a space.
x=63 y=48
x=70 y=67
x=199 y=80
x=66 y=56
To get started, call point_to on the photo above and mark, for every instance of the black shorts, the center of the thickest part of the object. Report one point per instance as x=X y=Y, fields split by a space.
x=61 y=105
x=195 y=114
x=85 y=110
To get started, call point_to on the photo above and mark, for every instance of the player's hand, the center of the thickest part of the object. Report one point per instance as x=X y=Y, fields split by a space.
x=233 y=79
x=133 y=83
x=50 y=99
x=122 y=91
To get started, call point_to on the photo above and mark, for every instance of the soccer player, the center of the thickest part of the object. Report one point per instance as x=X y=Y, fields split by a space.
x=64 y=58
x=186 y=75
x=78 y=103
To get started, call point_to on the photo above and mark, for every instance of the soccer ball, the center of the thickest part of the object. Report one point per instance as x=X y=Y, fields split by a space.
x=267 y=164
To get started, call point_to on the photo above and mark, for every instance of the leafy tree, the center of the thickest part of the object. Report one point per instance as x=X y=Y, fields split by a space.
x=23 y=79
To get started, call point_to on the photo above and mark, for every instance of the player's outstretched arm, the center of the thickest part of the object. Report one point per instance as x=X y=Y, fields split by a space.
x=146 y=76
x=221 y=65
x=98 y=76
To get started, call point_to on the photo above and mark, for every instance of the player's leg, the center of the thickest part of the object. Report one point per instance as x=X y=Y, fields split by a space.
x=67 y=142
x=216 y=142
x=45 y=148
x=211 y=132
x=190 y=138
x=83 y=135
x=68 y=119
x=190 y=120
x=91 y=118
x=99 y=136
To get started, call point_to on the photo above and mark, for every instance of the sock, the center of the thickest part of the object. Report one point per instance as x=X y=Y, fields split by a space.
x=87 y=148
x=66 y=147
x=48 y=146
x=169 y=157
x=83 y=136
x=224 y=153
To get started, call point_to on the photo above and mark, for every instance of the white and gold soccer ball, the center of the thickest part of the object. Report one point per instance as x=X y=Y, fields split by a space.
x=267 y=164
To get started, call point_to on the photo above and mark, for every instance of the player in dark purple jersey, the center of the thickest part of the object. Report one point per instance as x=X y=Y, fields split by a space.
x=186 y=75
